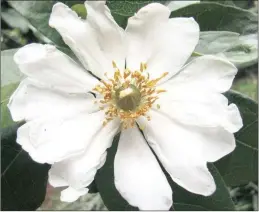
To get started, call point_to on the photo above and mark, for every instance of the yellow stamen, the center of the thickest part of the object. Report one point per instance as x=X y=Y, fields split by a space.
x=137 y=94
x=114 y=64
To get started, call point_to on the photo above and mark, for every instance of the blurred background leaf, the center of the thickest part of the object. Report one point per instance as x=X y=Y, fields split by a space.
x=10 y=78
x=23 y=181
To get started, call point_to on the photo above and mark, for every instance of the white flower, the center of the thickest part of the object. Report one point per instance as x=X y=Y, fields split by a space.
x=180 y=108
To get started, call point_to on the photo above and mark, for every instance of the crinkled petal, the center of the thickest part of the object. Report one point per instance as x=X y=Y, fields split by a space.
x=164 y=44
x=95 y=42
x=205 y=73
x=52 y=140
x=49 y=66
x=31 y=101
x=199 y=108
x=138 y=176
x=184 y=151
x=70 y=194
x=79 y=171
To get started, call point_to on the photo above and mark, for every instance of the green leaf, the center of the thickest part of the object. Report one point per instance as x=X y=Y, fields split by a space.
x=6 y=92
x=183 y=200
x=10 y=72
x=243 y=161
x=126 y=8
x=37 y=13
x=245 y=52
x=10 y=78
x=240 y=50
x=92 y=188
x=238 y=3
x=247 y=85
x=214 y=42
x=122 y=10
x=23 y=181
x=219 y=17
x=175 y=5
x=14 y=19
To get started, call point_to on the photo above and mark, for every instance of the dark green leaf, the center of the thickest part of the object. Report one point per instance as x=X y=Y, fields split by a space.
x=126 y=8
x=243 y=161
x=183 y=200
x=238 y=3
x=122 y=10
x=92 y=188
x=23 y=181
x=218 y=17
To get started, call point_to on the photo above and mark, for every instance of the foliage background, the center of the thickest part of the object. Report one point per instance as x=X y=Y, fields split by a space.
x=17 y=32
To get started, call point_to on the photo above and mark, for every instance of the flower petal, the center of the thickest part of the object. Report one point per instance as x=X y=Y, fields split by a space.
x=29 y=102
x=49 y=66
x=184 y=151
x=199 y=108
x=79 y=171
x=164 y=44
x=51 y=140
x=138 y=176
x=70 y=195
x=206 y=73
x=110 y=34
x=85 y=37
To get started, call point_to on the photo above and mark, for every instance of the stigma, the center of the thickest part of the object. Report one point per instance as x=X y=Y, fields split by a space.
x=128 y=95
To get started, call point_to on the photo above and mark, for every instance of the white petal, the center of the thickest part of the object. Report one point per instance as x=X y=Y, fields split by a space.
x=206 y=73
x=199 y=108
x=70 y=195
x=29 y=102
x=49 y=66
x=110 y=34
x=52 y=140
x=138 y=176
x=235 y=117
x=79 y=171
x=84 y=37
x=210 y=143
x=164 y=44
x=184 y=151
x=56 y=181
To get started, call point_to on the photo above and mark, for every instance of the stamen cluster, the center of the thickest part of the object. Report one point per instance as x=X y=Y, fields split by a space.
x=138 y=79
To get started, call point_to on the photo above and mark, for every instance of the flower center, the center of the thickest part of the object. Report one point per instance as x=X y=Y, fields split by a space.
x=128 y=98
x=128 y=95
